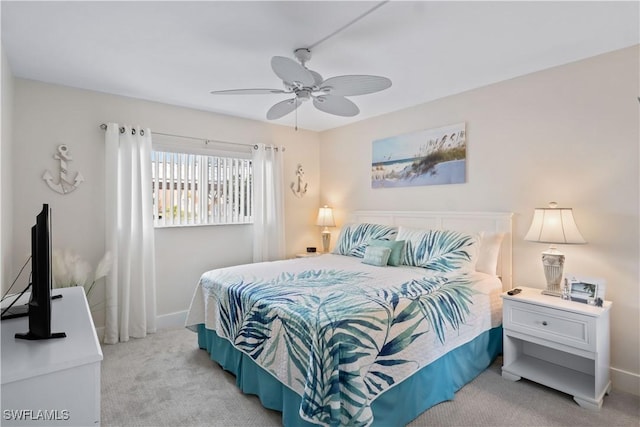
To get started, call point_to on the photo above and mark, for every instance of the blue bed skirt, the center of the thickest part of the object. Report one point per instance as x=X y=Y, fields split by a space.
x=398 y=406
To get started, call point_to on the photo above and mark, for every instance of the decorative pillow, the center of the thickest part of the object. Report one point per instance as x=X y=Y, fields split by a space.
x=489 y=252
x=354 y=238
x=376 y=255
x=396 y=247
x=440 y=250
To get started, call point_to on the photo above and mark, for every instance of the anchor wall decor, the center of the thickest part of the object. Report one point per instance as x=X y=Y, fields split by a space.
x=299 y=189
x=64 y=185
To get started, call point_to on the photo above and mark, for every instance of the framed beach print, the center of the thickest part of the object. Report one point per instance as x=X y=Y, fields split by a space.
x=586 y=290
x=428 y=157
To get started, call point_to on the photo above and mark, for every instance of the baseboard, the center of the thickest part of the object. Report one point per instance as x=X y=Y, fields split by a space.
x=625 y=381
x=166 y=321
x=171 y=320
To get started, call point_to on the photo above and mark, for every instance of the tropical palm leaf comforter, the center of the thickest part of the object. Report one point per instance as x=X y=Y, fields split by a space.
x=339 y=332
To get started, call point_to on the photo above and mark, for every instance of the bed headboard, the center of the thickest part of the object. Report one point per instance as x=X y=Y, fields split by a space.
x=470 y=222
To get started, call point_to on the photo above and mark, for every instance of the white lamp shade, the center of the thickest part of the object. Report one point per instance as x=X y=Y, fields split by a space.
x=554 y=225
x=325 y=217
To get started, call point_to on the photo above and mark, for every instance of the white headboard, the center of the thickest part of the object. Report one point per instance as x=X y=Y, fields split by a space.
x=470 y=222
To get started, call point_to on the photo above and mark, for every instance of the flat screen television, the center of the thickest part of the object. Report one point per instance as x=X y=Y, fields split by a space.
x=39 y=307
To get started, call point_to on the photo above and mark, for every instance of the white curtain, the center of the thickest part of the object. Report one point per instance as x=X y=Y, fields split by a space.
x=268 y=224
x=130 y=288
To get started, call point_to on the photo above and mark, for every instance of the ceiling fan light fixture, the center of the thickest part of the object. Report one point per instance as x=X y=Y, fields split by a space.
x=303 y=94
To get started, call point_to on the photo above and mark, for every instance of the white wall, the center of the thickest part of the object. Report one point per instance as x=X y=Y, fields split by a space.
x=568 y=134
x=48 y=115
x=6 y=181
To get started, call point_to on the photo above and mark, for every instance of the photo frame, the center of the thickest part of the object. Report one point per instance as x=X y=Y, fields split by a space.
x=585 y=290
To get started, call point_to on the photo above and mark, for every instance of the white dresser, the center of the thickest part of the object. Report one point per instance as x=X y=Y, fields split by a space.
x=53 y=382
x=561 y=344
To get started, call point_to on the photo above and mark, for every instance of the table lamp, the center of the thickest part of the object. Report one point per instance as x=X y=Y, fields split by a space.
x=325 y=219
x=553 y=225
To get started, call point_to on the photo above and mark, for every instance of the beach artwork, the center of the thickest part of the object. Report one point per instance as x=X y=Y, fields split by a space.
x=428 y=157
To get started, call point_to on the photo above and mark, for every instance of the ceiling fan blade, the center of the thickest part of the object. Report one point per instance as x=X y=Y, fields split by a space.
x=291 y=72
x=317 y=78
x=355 y=85
x=336 y=105
x=283 y=108
x=247 y=91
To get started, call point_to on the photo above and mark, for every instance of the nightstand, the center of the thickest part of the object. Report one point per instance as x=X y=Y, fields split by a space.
x=308 y=254
x=560 y=344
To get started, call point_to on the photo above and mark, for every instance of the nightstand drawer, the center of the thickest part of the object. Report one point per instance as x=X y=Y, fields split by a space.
x=560 y=326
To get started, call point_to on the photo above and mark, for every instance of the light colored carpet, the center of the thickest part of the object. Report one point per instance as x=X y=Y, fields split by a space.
x=165 y=380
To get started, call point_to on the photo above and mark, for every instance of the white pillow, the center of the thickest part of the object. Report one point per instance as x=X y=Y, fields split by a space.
x=489 y=252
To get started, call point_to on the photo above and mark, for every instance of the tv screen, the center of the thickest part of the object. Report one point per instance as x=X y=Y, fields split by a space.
x=39 y=310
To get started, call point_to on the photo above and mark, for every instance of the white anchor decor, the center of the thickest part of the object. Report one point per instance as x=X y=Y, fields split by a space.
x=65 y=185
x=300 y=189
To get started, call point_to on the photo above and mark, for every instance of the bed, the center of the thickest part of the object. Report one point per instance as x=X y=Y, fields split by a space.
x=403 y=313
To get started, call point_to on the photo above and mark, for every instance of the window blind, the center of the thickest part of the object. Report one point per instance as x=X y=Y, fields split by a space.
x=198 y=189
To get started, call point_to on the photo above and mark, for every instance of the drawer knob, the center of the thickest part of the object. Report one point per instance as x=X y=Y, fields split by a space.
x=544 y=323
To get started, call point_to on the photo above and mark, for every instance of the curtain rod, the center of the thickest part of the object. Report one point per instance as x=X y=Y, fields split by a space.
x=103 y=126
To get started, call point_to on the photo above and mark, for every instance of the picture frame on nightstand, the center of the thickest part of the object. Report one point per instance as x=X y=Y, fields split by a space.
x=586 y=290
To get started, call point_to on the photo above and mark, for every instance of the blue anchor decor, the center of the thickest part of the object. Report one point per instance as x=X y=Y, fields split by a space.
x=64 y=185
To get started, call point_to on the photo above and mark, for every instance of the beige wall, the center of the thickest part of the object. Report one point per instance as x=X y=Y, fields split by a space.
x=6 y=186
x=48 y=115
x=568 y=134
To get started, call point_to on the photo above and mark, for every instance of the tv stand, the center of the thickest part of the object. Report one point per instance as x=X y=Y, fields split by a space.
x=21 y=310
x=32 y=337
x=52 y=382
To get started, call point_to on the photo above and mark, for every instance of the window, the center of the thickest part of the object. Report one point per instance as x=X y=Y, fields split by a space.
x=199 y=189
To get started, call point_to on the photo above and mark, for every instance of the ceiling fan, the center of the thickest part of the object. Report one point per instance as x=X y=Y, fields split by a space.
x=305 y=84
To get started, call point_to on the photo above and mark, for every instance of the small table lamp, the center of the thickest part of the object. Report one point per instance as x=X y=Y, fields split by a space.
x=325 y=219
x=553 y=225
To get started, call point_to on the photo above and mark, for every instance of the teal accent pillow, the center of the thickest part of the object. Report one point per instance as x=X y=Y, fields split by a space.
x=440 y=250
x=354 y=238
x=376 y=255
x=396 y=246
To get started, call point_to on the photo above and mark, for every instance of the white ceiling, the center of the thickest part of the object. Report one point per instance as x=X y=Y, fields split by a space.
x=177 y=52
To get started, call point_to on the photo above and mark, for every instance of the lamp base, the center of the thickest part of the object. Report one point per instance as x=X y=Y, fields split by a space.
x=551 y=293
x=326 y=240
x=553 y=263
